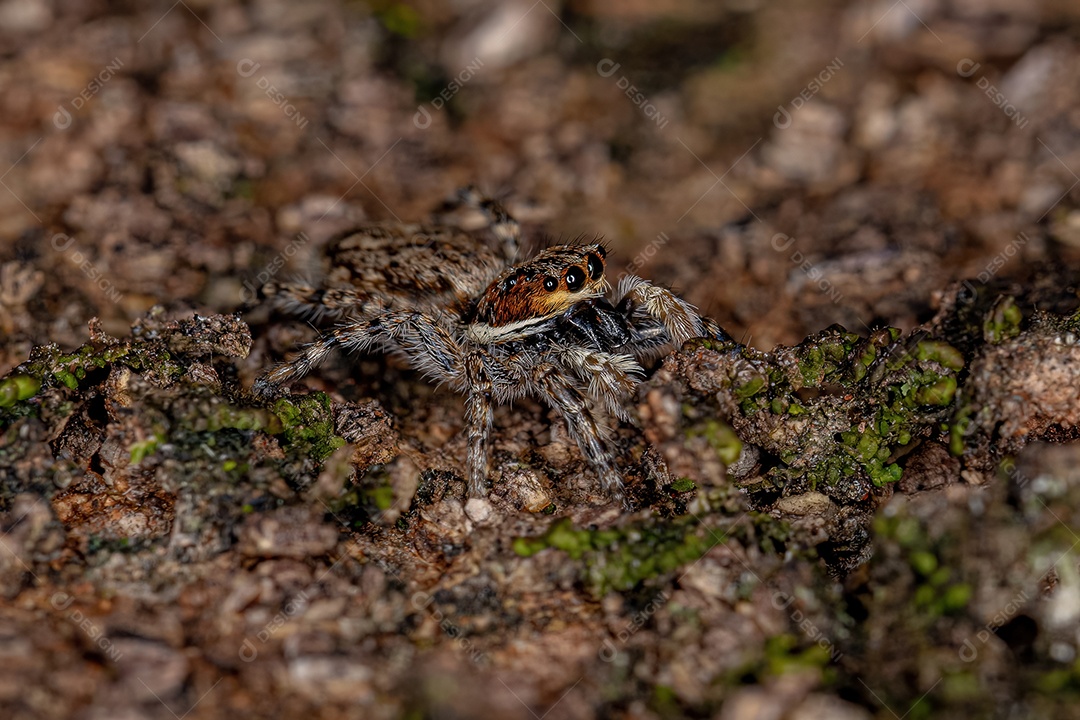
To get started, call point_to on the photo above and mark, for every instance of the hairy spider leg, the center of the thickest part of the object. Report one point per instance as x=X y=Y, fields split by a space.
x=495 y=378
x=430 y=347
x=611 y=377
x=316 y=304
x=478 y=422
x=680 y=318
x=583 y=427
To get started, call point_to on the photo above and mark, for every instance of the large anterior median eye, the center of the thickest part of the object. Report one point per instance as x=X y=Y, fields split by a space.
x=575 y=278
x=596 y=267
x=550 y=283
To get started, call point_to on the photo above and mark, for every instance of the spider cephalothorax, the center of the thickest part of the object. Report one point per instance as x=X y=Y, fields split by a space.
x=532 y=293
x=459 y=308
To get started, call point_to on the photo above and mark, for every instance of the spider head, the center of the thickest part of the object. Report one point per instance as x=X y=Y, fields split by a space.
x=541 y=288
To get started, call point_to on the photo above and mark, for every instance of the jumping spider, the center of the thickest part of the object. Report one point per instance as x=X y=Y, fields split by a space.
x=455 y=304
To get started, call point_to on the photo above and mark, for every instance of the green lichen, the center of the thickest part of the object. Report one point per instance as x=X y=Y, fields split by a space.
x=1003 y=321
x=225 y=416
x=864 y=361
x=941 y=353
x=959 y=429
x=401 y=19
x=308 y=425
x=69 y=379
x=751 y=388
x=824 y=359
x=1060 y=680
x=144 y=448
x=665 y=702
x=941 y=392
x=721 y=438
x=683 y=484
x=17 y=388
x=837 y=408
x=620 y=559
x=48 y=366
x=784 y=654
x=938 y=590
x=381 y=497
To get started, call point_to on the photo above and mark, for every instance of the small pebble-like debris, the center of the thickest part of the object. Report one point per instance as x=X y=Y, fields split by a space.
x=479 y=510
x=525 y=489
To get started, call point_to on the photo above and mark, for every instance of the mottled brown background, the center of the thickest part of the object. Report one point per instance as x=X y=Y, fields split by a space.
x=143 y=162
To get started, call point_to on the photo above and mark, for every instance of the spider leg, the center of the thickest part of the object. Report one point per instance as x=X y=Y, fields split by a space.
x=649 y=338
x=429 y=346
x=504 y=378
x=611 y=377
x=680 y=318
x=312 y=303
x=583 y=427
x=478 y=419
x=509 y=375
x=714 y=331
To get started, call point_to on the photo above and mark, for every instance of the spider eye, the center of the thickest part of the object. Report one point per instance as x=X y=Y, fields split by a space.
x=551 y=283
x=509 y=283
x=596 y=267
x=575 y=278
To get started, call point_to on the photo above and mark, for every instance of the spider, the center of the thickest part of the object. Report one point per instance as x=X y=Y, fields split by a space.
x=459 y=308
